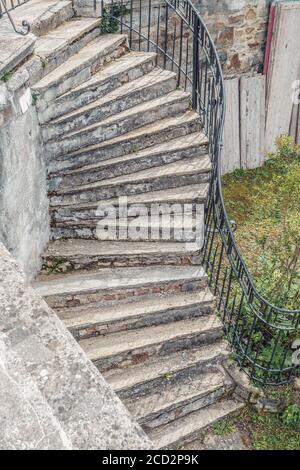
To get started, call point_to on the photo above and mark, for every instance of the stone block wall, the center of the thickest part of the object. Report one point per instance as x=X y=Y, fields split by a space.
x=24 y=213
x=239 y=29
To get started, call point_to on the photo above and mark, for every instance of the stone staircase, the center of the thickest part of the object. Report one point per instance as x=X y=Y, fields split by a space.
x=114 y=126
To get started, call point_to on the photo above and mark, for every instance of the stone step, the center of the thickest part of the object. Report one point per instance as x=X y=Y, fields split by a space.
x=104 y=285
x=88 y=321
x=52 y=18
x=191 y=195
x=79 y=68
x=178 y=399
x=76 y=254
x=135 y=140
x=194 y=170
x=15 y=49
x=140 y=379
x=113 y=75
x=148 y=87
x=157 y=155
x=189 y=427
x=135 y=346
x=43 y=16
x=60 y=44
x=171 y=104
x=178 y=227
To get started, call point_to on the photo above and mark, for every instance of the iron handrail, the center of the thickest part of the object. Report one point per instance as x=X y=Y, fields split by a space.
x=4 y=9
x=261 y=333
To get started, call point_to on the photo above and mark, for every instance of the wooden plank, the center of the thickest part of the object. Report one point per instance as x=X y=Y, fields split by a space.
x=271 y=23
x=252 y=115
x=231 y=159
x=284 y=71
x=294 y=123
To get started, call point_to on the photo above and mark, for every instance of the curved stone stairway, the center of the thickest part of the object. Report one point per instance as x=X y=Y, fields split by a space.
x=113 y=125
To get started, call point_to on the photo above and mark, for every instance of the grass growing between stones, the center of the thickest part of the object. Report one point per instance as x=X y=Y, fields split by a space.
x=265 y=204
x=258 y=430
x=279 y=431
x=223 y=427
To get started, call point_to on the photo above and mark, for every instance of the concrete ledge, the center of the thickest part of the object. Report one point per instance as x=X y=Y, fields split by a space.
x=51 y=395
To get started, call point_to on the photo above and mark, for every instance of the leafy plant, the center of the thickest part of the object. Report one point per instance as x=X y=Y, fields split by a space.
x=291 y=416
x=110 y=15
x=56 y=267
x=223 y=427
x=6 y=76
x=35 y=97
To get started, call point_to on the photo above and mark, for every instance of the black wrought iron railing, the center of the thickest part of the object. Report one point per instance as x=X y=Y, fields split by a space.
x=6 y=6
x=263 y=336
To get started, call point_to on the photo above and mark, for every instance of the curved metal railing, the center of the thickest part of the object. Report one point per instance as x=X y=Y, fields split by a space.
x=263 y=335
x=6 y=6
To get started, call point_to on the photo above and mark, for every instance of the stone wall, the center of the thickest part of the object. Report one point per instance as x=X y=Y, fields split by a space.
x=51 y=395
x=24 y=214
x=239 y=29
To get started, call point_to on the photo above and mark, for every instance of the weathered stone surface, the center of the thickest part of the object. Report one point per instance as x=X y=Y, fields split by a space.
x=51 y=396
x=57 y=46
x=151 y=86
x=177 y=398
x=14 y=48
x=192 y=194
x=187 y=429
x=24 y=216
x=239 y=30
x=80 y=67
x=188 y=171
x=138 y=139
x=111 y=351
x=172 y=104
x=120 y=71
x=150 y=375
x=137 y=313
x=232 y=441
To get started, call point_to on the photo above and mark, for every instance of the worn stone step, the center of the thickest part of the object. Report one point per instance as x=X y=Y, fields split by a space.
x=140 y=379
x=60 y=44
x=106 y=284
x=171 y=104
x=52 y=18
x=91 y=321
x=167 y=152
x=135 y=346
x=164 y=228
x=177 y=399
x=134 y=141
x=195 y=170
x=113 y=75
x=43 y=16
x=187 y=428
x=76 y=254
x=148 y=87
x=167 y=199
x=79 y=68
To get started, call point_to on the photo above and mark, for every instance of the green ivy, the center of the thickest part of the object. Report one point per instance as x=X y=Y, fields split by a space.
x=110 y=15
x=5 y=77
